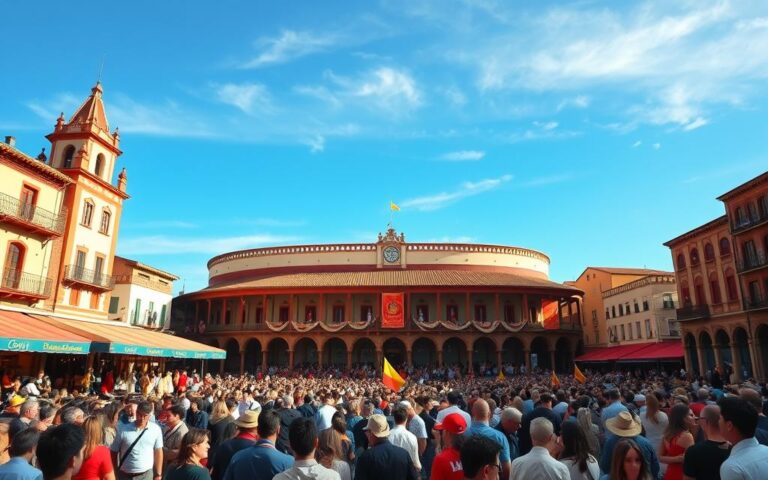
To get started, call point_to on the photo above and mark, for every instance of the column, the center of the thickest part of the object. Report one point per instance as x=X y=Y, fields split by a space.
x=719 y=358
x=498 y=360
x=439 y=307
x=552 y=359
x=527 y=357
x=321 y=311
x=242 y=362
x=264 y=315
x=466 y=311
x=470 y=365
x=736 y=359
x=525 y=312
x=290 y=359
x=409 y=357
x=319 y=359
x=379 y=359
x=240 y=310
x=292 y=308
x=348 y=308
x=349 y=360
x=755 y=357
x=208 y=318
x=499 y=316
x=264 y=359
x=440 y=359
x=700 y=356
x=688 y=360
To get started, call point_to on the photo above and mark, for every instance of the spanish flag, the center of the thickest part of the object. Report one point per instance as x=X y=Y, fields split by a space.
x=393 y=206
x=390 y=377
x=578 y=375
x=555 y=380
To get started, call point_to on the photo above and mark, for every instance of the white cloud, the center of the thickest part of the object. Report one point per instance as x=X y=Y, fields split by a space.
x=62 y=103
x=388 y=86
x=637 y=144
x=550 y=180
x=579 y=101
x=540 y=131
x=547 y=126
x=316 y=144
x=287 y=46
x=168 y=245
x=166 y=119
x=696 y=123
x=454 y=95
x=248 y=97
x=656 y=146
x=463 y=156
x=442 y=199
x=320 y=93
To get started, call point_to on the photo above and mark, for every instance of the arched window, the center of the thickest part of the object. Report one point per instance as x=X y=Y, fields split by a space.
x=725 y=247
x=694 y=256
x=680 y=261
x=14 y=263
x=105 y=218
x=69 y=154
x=709 y=252
x=87 y=214
x=98 y=169
x=714 y=289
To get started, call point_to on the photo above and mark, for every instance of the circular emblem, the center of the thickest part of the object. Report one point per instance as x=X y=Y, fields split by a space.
x=391 y=254
x=393 y=308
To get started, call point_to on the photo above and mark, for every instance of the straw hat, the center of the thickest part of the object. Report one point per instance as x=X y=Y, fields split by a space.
x=624 y=425
x=249 y=419
x=378 y=426
x=16 y=401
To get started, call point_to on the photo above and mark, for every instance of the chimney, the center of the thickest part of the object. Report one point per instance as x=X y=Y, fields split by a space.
x=10 y=140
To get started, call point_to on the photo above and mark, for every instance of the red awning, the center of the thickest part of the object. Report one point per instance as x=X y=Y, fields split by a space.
x=611 y=354
x=657 y=351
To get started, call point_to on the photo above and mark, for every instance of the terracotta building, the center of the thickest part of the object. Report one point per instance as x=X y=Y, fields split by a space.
x=722 y=277
x=422 y=304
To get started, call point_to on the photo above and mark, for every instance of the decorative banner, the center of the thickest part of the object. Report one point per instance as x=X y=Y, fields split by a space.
x=392 y=311
x=550 y=313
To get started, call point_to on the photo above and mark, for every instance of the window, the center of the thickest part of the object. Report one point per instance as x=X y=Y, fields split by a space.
x=105 y=217
x=283 y=314
x=754 y=292
x=310 y=313
x=509 y=313
x=626 y=308
x=694 y=256
x=259 y=314
x=137 y=311
x=27 y=204
x=667 y=301
x=752 y=212
x=645 y=305
x=98 y=168
x=366 y=313
x=14 y=263
x=452 y=313
x=680 y=261
x=338 y=313
x=741 y=219
x=637 y=330
x=714 y=287
x=597 y=337
x=629 y=327
x=623 y=332
x=730 y=288
x=114 y=303
x=750 y=254
x=763 y=204
x=725 y=247
x=162 y=316
x=607 y=314
x=621 y=310
x=637 y=307
x=144 y=276
x=95 y=298
x=99 y=265
x=648 y=333
x=698 y=288
x=87 y=214
x=480 y=314
x=69 y=154
x=709 y=252
x=80 y=265
x=74 y=297
x=151 y=314
x=594 y=315
x=613 y=311
x=686 y=292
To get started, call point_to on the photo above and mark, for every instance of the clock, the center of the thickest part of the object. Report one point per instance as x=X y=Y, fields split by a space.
x=391 y=254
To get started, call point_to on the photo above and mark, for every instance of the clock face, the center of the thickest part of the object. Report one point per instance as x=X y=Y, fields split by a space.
x=391 y=254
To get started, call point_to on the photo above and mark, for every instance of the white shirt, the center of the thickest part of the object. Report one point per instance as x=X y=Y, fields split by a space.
x=142 y=456
x=453 y=409
x=304 y=469
x=654 y=432
x=539 y=464
x=402 y=438
x=417 y=427
x=748 y=460
x=592 y=467
x=324 y=416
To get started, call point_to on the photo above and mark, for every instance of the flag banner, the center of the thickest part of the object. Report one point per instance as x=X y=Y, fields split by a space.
x=578 y=375
x=390 y=378
x=394 y=207
x=550 y=313
x=392 y=311
x=555 y=380
x=501 y=375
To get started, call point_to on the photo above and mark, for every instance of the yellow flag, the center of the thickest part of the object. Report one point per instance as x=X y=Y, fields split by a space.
x=393 y=206
x=501 y=375
x=391 y=378
x=555 y=381
x=578 y=375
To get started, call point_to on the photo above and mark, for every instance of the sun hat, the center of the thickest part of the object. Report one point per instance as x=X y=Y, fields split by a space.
x=378 y=426
x=453 y=423
x=16 y=401
x=624 y=425
x=249 y=419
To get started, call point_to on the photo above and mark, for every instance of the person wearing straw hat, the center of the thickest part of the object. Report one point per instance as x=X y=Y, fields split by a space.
x=625 y=425
x=383 y=461
x=247 y=425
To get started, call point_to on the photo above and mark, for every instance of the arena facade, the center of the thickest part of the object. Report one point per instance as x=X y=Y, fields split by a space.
x=420 y=304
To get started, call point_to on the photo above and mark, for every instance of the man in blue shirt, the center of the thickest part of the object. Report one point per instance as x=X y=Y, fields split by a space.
x=622 y=426
x=614 y=406
x=22 y=450
x=738 y=422
x=481 y=415
x=262 y=461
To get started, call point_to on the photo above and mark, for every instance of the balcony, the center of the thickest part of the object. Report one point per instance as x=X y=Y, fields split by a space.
x=692 y=312
x=16 y=284
x=32 y=217
x=749 y=223
x=89 y=279
x=756 y=262
x=756 y=304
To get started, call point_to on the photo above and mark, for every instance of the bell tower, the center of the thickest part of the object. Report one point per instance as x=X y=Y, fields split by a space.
x=84 y=149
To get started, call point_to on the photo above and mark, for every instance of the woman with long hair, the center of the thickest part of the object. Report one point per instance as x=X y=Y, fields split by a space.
x=330 y=453
x=654 y=422
x=590 y=430
x=111 y=412
x=193 y=450
x=97 y=463
x=339 y=425
x=677 y=438
x=575 y=455
x=628 y=462
x=220 y=424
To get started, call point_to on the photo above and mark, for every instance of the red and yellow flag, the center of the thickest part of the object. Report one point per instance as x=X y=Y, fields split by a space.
x=578 y=375
x=554 y=379
x=390 y=377
x=550 y=312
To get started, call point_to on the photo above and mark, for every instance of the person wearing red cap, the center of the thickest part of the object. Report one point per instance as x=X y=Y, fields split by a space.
x=447 y=465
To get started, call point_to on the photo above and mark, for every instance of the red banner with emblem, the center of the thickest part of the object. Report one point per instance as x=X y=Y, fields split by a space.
x=551 y=314
x=392 y=311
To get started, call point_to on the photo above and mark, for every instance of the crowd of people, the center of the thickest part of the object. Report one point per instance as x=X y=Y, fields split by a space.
x=347 y=425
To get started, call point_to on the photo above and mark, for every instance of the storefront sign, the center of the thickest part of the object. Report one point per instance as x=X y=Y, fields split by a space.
x=42 y=346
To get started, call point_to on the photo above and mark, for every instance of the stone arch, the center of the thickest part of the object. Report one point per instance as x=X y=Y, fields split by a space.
x=707 y=352
x=723 y=346
x=335 y=352
x=540 y=353
x=483 y=353
x=690 y=347
x=364 y=352
x=513 y=351
x=304 y=352
x=563 y=355
x=277 y=353
x=232 y=362
x=424 y=352
x=252 y=355
x=741 y=342
x=454 y=352
x=394 y=351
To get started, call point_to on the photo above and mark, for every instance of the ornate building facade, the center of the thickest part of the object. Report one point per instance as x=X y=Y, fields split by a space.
x=421 y=304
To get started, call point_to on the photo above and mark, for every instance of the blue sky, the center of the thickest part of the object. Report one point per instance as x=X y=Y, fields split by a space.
x=592 y=131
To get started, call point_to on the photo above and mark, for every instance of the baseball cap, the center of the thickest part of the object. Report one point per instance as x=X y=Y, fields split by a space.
x=378 y=426
x=453 y=423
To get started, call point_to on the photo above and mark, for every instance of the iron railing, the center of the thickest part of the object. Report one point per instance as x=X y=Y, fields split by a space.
x=755 y=303
x=26 y=283
x=692 y=312
x=749 y=222
x=76 y=273
x=751 y=262
x=12 y=207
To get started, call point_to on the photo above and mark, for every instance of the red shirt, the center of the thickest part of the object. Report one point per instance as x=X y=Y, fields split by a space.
x=97 y=466
x=447 y=466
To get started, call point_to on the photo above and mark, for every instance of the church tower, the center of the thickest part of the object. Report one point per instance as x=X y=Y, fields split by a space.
x=84 y=149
